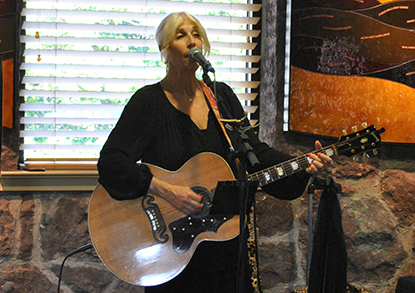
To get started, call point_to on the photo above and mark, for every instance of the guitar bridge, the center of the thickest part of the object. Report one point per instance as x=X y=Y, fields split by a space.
x=156 y=219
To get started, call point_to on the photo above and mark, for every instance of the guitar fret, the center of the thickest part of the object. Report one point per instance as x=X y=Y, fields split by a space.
x=294 y=165
x=288 y=169
x=254 y=177
x=305 y=162
x=329 y=152
x=280 y=171
x=266 y=177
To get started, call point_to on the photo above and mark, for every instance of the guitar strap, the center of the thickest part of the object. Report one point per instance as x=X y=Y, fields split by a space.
x=212 y=100
x=252 y=246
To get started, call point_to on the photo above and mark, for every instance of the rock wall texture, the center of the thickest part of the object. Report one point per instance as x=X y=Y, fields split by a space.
x=39 y=229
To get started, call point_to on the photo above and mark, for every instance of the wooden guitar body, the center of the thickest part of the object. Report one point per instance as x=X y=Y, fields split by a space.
x=129 y=235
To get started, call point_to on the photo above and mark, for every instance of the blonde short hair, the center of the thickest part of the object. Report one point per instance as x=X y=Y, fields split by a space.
x=167 y=29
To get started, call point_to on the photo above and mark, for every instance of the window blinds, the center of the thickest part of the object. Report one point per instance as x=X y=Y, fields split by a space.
x=83 y=60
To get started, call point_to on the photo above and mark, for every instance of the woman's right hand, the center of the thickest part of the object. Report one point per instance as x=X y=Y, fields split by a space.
x=182 y=198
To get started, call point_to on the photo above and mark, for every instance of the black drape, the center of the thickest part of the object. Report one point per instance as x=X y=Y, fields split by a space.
x=328 y=267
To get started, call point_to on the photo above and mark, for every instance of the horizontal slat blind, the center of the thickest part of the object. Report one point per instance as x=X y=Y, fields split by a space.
x=83 y=60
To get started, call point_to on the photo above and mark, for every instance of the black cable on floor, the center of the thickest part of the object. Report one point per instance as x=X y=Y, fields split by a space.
x=80 y=249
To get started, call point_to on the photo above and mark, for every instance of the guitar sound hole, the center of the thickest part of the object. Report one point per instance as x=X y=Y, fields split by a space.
x=206 y=200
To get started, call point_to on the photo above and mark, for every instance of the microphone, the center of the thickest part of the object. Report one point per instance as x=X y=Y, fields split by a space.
x=195 y=55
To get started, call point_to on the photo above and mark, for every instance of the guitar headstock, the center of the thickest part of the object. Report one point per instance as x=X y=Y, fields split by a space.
x=360 y=141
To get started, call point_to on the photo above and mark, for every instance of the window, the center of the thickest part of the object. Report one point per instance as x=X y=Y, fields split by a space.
x=83 y=60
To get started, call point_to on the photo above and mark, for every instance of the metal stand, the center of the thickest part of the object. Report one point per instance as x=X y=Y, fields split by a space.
x=316 y=184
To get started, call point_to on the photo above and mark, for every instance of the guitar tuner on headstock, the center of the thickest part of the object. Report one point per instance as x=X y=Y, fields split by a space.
x=360 y=141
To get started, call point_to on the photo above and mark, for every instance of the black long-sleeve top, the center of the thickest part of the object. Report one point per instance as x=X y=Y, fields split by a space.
x=152 y=130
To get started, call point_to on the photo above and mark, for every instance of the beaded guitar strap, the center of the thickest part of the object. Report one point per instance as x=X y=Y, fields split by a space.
x=252 y=239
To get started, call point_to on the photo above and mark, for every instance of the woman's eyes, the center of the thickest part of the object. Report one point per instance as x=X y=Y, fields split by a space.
x=195 y=35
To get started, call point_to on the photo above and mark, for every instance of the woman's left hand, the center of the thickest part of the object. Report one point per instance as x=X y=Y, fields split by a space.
x=321 y=163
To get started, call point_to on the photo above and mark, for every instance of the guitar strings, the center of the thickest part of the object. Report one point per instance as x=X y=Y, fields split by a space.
x=302 y=161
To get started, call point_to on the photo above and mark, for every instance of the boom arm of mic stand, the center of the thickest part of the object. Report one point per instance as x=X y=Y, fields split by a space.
x=243 y=148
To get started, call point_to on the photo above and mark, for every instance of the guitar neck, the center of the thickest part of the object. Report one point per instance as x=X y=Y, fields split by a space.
x=287 y=168
x=349 y=145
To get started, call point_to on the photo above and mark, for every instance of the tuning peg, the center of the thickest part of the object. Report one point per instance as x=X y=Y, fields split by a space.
x=344 y=132
x=375 y=152
x=354 y=128
x=364 y=124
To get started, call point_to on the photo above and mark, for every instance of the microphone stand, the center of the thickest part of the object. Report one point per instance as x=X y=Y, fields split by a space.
x=244 y=153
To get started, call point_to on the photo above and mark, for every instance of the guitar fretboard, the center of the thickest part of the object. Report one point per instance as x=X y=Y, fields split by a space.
x=287 y=168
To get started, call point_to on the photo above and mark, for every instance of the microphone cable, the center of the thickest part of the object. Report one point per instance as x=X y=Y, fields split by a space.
x=80 y=249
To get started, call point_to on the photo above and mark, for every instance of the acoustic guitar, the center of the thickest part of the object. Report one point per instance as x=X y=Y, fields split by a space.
x=147 y=242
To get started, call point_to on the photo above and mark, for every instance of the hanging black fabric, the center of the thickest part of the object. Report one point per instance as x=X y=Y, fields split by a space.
x=328 y=267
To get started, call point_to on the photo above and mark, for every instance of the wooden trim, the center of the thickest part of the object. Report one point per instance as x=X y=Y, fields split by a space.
x=59 y=164
x=49 y=180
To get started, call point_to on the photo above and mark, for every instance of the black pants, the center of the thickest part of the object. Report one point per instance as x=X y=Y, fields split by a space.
x=209 y=272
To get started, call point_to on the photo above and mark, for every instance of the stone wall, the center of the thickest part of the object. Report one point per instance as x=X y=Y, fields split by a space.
x=38 y=229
